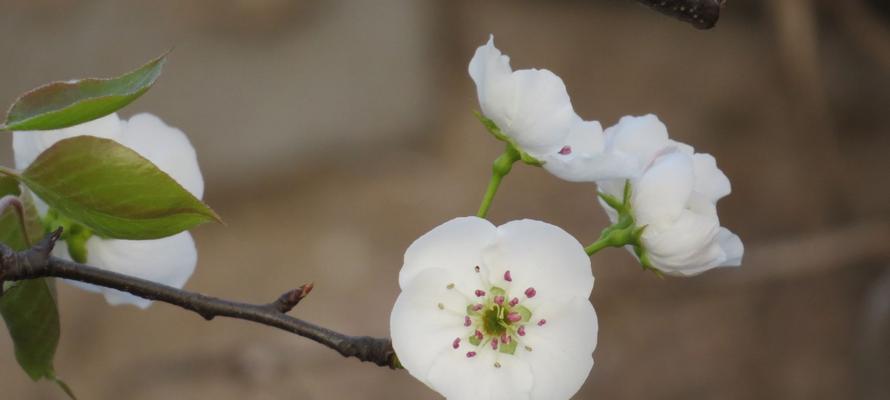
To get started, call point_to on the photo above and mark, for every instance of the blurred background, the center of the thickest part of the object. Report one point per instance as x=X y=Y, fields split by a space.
x=333 y=133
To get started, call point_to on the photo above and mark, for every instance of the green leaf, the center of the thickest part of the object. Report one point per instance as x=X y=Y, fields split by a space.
x=28 y=307
x=30 y=312
x=113 y=190
x=10 y=226
x=62 y=104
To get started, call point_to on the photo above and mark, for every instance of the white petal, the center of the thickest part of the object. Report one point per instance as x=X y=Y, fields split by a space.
x=687 y=243
x=491 y=72
x=562 y=349
x=663 y=191
x=167 y=147
x=456 y=245
x=28 y=145
x=543 y=114
x=531 y=106
x=732 y=247
x=586 y=160
x=170 y=261
x=542 y=256
x=639 y=137
x=421 y=332
x=710 y=180
x=460 y=378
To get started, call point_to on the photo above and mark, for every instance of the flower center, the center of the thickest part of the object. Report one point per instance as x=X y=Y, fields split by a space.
x=493 y=321
x=496 y=318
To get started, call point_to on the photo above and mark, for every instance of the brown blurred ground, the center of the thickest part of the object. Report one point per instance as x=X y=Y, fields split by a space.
x=334 y=133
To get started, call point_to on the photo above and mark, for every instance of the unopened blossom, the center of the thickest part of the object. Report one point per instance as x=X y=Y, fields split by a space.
x=170 y=260
x=532 y=109
x=674 y=196
x=531 y=334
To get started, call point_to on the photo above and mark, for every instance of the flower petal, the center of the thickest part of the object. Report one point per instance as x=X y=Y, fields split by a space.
x=562 y=349
x=732 y=247
x=491 y=72
x=28 y=145
x=585 y=159
x=542 y=256
x=458 y=377
x=167 y=147
x=661 y=194
x=531 y=106
x=170 y=261
x=710 y=180
x=456 y=245
x=642 y=138
x=543 y=114
x=421 y=332
x=687 y=243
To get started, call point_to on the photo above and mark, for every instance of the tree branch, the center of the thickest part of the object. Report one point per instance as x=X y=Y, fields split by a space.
x=37 y=263
x=702 y=14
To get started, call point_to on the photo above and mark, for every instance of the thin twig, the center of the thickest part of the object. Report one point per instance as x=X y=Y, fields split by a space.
x=702 y=14
x=37 y=263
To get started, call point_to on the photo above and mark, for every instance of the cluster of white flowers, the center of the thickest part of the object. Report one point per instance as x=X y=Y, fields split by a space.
x=674 y=196
x=503 y=312
x=485 y=312
x=675 y=190
x=170 y=260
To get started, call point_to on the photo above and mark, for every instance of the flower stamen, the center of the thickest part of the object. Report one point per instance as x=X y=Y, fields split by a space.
x=530 y=292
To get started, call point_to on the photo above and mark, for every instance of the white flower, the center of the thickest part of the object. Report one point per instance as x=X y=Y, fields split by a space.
x=170 y=260
x=531 y=107
x=674 y=196
x=496 y=312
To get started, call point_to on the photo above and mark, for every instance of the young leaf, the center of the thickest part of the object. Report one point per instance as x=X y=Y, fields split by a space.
x=62 y=104
x=29 y=307
x=32 y=318
x=113 y=190
x=10 y=226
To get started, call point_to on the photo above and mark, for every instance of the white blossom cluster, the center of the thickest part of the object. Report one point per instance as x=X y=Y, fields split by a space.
x=503 y=312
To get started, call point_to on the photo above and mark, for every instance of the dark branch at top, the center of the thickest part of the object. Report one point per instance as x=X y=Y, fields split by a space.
x=37 y=263
x=702 y=14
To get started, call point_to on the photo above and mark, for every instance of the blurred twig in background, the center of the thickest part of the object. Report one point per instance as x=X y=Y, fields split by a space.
x=864 y=28
x=702 y=14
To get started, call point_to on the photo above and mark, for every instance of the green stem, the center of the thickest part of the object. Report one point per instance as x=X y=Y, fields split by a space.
x=600 y=244
x=501 y=167
x=8 y=171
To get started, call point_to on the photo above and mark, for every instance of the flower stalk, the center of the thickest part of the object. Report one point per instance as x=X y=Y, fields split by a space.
x=501 y=167
x=624 y=232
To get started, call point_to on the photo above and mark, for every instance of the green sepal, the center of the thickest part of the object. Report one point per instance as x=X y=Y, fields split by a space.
x=470 y=310
x=496 y=291
x=499 y=135
x=524 y=312
x=624 y=232
x=508 y=348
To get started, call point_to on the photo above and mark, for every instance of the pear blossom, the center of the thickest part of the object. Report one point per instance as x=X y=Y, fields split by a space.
x=674 y=196
x=532 y=111
x=170 y=260
x=491 y=312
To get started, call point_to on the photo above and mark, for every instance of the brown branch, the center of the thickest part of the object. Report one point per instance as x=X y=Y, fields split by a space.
x=702 y=14
x=37 y=263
